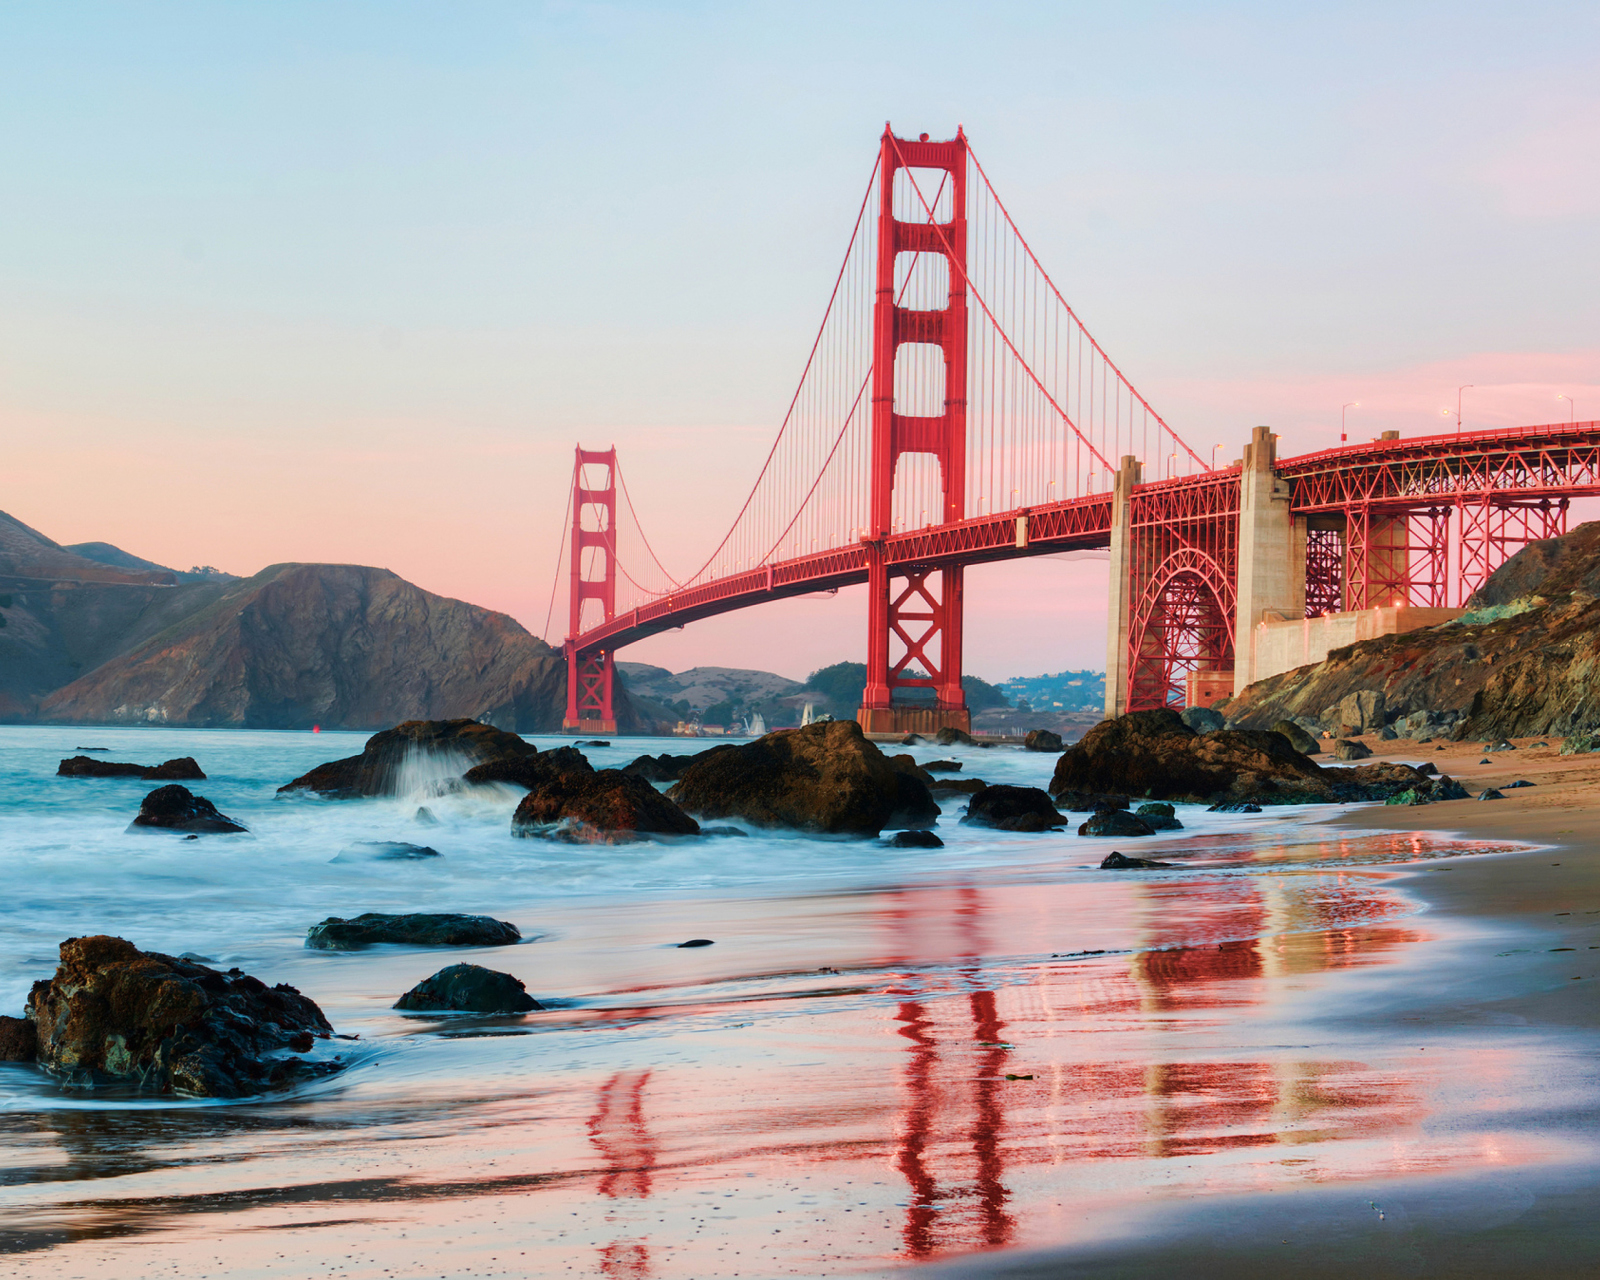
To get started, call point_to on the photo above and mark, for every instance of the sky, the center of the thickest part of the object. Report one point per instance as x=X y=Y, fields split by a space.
x=347 y=282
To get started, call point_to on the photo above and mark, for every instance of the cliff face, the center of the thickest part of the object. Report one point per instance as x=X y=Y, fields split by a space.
x=1533 y=669
x=344 y=646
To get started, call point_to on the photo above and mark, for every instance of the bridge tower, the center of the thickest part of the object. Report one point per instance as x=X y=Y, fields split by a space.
x=923 y=615
x=590 y=674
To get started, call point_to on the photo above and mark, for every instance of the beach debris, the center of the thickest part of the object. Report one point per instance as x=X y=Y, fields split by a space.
x=1115 y=822
x=418 y=929
x=384 y=851
x=915 y=840
x=1160 y=815
x=1298 y=738
x=1115 y=861
x=824 y=778
x=697 y=942
x=1346 y=749
x=1489 y=793
x=181 y=769
x=1042 y=740
x=176 y=808
x=377 y=771
x=1008 y=808
x=608 y=807
x=469 y=988
x=113 y=1014
x=1520 y=782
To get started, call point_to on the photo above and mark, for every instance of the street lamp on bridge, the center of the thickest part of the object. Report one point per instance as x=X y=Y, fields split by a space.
x=1572 y=409
x=1354 y=404
x=1464 y=387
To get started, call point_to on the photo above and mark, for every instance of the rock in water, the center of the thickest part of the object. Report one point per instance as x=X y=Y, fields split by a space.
x=1345 y=749
x=1116 y=822
x=530 y=772
x=1236 y=806
x=1042 y=740
x=941 y=766
x=826 y=778
x=955 y=786
x=376 y=771
x=469 y=988
x=19 y=1042
x=182 y=769
x=1154 y=754
x=116 y=1015
x=384 y=851
x=1299 y=739
x=1115 y=861
x=914 y=840
x=1159 y=816
x=1203 y=719
x=1008 y=808
x=669 y=768
x=608 y=807
x=418 y=930
x=175 y=808
x=908 y=765
x=948 y=737
x=1088 y=801
x=698 y=942
x=89 y=767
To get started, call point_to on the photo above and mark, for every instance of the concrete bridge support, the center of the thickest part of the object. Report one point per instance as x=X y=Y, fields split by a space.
x=1272 y=553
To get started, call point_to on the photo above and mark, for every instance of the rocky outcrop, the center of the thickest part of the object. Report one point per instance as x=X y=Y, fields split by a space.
x=1155 y=755
x=457 y=745
x=1158 y=816
x=1008 y=808
x=1203 y=719
x=115 y=1015
x=1115 y=822
x=1522 y=663
x=669 y=768
x=182 y=769
x=530 y=771
x=825 y=778
x=1042 y=740
x=343 y=646
x=914 y=840
x=420 y=929
x=608 y=807
x=175 y=808
x=468 y=988
x=1298 y=738
x=19 y=1041
x=1345 y=749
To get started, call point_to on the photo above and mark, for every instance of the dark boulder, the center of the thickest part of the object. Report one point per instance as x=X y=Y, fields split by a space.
x=1088 y=801
x=175 y=808
x=1203 y=719
x=948 y=737
x=698 y=942
x=529 y=772
x=1409 y=796
x=376 y=771
x=1159 y=816
x=422 y=929
x=1008 y=808
x=956 y=786
x=914 y=840
x=592 y=742
x=1345 y=749
x=1114 y=861
x=1489 y=793
x=1520 y=782
x=182 y=769
x=1235 y=806
x=1299 y=739
x=116 y=1015
x=608 y=807
x=1155 y=755
x=725 y=833
x=1116 y=822
x=89 y=767
x=825 y=778
x=1042 y=740
x=19 y=1041
x=469 y=988
x=907 y=764
x=943 y=766
x=669 y=768
x=384 y=851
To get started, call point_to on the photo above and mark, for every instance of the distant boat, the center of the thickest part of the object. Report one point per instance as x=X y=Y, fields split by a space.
x=758 y=726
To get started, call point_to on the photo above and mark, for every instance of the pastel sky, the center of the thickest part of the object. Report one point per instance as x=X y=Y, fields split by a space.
x=346 y=282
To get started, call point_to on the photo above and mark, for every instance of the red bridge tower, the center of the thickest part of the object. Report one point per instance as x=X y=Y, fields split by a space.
x=590 y=673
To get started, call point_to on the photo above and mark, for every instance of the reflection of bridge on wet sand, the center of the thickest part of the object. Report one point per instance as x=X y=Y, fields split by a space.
x=995 y=1077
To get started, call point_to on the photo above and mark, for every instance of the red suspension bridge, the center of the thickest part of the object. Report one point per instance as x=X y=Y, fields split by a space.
x=953 y=410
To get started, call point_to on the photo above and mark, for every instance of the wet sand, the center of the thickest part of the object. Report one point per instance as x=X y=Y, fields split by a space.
x=1529 y=977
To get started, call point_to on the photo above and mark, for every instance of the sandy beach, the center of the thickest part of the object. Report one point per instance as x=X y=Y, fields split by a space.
x=1528 y=976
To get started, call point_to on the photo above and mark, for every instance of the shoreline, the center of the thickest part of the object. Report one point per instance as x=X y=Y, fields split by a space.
x=1536 y=1218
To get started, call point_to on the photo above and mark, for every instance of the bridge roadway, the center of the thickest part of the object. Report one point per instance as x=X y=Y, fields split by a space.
x=1385 y=476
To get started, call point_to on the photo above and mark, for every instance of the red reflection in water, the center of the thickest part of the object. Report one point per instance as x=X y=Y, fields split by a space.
x=617 y=1128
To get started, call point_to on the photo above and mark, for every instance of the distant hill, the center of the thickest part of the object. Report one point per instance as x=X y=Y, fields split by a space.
x=105 y=553
x=337 y=645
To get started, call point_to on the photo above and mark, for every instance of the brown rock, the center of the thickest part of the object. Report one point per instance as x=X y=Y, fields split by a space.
x=1009 y=808
x=89 y=767
x=530 y=771
x=608 y=807
x=19 y=1042
x=1345 y=749
x=376 y=770
x=1155 y=755
x=115 y=1014
x=1042 y=740
x=666 y=767
x=183 y=769
x=824 y=777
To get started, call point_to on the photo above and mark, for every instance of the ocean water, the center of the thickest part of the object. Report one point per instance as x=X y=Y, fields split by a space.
x=886 y=1056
